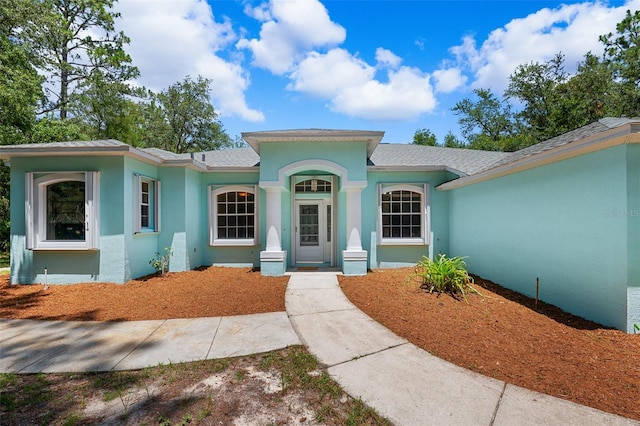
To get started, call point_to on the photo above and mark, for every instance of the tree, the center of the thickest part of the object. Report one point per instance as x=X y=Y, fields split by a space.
x=424 y=137
x=74 y=40
x=20 y=84
x=622 y=56
x=51 y=129
x=535 y=85
x=108 y=110
x=487 y=122
x=181 y=119
x=20 y=94
x=585 y=97
x=451 y=141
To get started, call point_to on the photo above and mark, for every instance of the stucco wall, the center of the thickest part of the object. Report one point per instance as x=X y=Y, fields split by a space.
x=109 y=263
x=557 y=223
x=140 y=248
x=386 y=256
x=633 y=236
x=227 y=256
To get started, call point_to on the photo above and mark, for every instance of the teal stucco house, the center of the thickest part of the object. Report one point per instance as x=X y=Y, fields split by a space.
x=565 y=211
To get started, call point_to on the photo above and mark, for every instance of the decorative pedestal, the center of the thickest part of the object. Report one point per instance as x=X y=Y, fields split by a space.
x=354 y=262
x=273 y=263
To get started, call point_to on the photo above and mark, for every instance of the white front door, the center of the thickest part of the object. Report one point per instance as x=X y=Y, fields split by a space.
x=311 y=231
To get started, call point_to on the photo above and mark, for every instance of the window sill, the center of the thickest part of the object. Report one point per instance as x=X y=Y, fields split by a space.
x=147 y=232
x=62 y=248
x=232 y=243
x=403 y=242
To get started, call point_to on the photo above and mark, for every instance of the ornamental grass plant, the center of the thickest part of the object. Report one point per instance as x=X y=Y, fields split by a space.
x=444 y=275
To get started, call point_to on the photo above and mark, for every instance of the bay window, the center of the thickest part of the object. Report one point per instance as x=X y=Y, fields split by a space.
x=62 y=210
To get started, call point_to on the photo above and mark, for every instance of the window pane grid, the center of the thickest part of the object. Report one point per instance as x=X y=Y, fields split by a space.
x=314 y=185
x=144 y=204
x=65 y=214
x=235 y=215
x=401 y=214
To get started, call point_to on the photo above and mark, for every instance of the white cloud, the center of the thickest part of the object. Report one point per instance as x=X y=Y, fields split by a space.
x=170 y=40
x=351 y=87
x=572 y=30
x=289 y=30
x=448 y=79
x=406 y=95
x=387 y=58
x=326 y=75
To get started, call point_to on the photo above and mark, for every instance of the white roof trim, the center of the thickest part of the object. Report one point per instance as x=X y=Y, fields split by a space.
x=371 y=137
x=441 y=168
x=627 y=134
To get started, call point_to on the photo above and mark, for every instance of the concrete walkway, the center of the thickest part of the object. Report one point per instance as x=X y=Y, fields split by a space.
x=402 y=382
x=78 y=346
x=406 y=384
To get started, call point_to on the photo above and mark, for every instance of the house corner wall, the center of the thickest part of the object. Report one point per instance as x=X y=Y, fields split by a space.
x=558 y=223
x=108 y=263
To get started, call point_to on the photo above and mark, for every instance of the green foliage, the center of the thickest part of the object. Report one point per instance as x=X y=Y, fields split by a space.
x=622 y=56
x=424 y=137
x=636 y=327
x=73 y=40
x=554 y=102
x=181 y=119
x=451 y=141
x=487 y=122
x=161 y=261
x=535 y=85
x=20 y=92
x=444 y=275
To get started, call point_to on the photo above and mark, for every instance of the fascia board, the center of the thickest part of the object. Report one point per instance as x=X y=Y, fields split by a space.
x=627 y=134
x=416 y=169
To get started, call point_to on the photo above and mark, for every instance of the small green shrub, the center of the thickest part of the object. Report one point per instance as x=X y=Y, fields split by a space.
x=161 y=262
x=445 y=275
x=636 y=327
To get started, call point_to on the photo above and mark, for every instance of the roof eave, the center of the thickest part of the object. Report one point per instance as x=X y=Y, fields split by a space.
x=371 y=137
x=430 y=168
x=626 y=134
x=233 y=169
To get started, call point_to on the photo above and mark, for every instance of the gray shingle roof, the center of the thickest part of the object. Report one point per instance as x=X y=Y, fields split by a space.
x=235 y=157
x=165 y=155
x=467 y=161
x=564 y=139
x=105 y=143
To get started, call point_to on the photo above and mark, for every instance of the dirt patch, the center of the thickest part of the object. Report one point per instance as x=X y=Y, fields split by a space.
x=499 y=335
x=284 y=387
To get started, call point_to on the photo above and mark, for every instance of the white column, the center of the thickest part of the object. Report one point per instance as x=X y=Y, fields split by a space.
x=354 y=258
x=354 y=219
x=274 y=219
x=273 y=260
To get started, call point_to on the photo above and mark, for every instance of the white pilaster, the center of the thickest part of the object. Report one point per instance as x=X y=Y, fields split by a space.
x=274 y=219
x=354 y=219
x=354 y=259
x=273 y=260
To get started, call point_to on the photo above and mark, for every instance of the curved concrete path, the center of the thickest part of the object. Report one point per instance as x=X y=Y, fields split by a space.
x=406 y=384
x=402 y=382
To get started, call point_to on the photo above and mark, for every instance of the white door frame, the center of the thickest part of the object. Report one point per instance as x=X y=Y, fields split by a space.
x=327 y=235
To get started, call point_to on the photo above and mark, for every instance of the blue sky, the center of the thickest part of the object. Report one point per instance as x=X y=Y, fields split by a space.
x=395 y=66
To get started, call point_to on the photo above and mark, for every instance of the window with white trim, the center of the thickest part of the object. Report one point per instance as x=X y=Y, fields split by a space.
x=233 y=215
x=62 y=210
x=403 y=214
x=146 y=204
